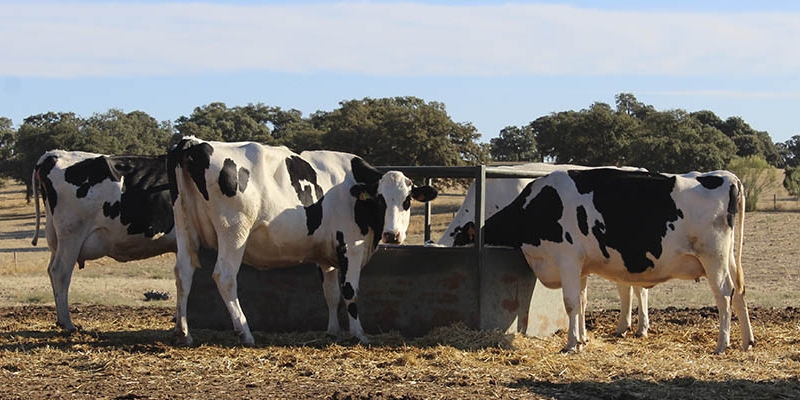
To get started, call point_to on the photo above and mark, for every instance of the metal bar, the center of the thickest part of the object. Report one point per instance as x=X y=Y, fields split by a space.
x=460 y=172
x=427 y=237
x=480 y=207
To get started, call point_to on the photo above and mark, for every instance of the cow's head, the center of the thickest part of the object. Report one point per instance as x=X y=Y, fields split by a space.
x=390 y=198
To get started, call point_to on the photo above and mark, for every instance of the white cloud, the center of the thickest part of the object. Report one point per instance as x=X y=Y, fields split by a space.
x=727 y=94
x=389 y=39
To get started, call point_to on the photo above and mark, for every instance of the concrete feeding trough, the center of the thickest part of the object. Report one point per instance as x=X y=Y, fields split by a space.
x=410 y=289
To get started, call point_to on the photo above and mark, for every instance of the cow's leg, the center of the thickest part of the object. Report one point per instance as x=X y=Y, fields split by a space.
x=583 y=336
x=330 y=288
x=722 y=286
x=740 y=307
x=350 y=292
x=229 y=260
x=184 y=274
x=62 y=263
x=644 y=318
x=571 y=291
x=625 y=308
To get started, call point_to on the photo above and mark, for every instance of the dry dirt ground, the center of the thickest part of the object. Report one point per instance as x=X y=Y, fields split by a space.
x=124 y=350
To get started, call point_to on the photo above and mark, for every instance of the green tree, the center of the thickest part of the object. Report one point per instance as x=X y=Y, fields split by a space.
x=595 y=136
x=749 y=141
x=790 y=159
x=40 y=133
x=216 y=121
x=756 y=174
x=399 y=131
x=7 y=139
x=673 y=141
x=290 y=129
x=136 y=132
x=514 y=144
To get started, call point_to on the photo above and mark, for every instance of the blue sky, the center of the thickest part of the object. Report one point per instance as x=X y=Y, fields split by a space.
x=492 y=64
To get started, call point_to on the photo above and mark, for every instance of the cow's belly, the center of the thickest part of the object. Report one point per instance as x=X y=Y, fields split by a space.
x=278 y=248
x=123 y=247
x=551 y=262
x=684 y=266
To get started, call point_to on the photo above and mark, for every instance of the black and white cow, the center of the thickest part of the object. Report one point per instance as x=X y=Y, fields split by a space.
x=500 y=193
x=634 y=227
x=269 y=207
x=98 y=205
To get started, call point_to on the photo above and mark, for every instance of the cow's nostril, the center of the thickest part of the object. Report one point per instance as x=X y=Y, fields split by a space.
x=391 y=237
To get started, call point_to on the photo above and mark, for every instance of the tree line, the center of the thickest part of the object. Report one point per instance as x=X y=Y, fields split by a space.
x=411 y=131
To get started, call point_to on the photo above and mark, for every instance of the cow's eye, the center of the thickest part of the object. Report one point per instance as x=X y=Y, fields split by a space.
x=407 y=203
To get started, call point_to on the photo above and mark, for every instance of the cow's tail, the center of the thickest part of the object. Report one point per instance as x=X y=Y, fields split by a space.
x=176 y=157
x=740 y=206
x=35 y=184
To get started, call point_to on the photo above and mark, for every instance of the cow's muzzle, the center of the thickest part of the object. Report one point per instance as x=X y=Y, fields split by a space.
x=391 y=237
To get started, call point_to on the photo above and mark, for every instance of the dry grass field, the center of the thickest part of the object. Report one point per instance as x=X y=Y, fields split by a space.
x=124 y=349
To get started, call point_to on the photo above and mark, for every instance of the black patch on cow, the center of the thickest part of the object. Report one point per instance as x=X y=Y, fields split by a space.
x=529 y=223
x=352 y=309
x=314 y=216
x=599 y=232
x=407 y=203
x=228 y=178
x=244 y=178
x=49 y=194
x=733 y=200
x=89 y=172
x=583 y=223
x=363 y=172
x=568 y=237
x=671 y=226
x=300 y=170
x=111 y=210
x=145 y=205
x=710 y=181
x=636 y=208
x=347 y=291
x=369 y=214
x=369 y=210
x=193 y=157
x=341 y=256
x=464 y=235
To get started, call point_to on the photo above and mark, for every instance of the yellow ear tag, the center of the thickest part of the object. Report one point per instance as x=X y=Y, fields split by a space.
x=364 y=196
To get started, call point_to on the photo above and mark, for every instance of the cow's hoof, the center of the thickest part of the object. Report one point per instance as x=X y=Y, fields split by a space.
x=245 y=339
x=67 y=328
x=749 y=345
x=641 y=333
x=572 y=349
x=182 y=340
x=621 y=332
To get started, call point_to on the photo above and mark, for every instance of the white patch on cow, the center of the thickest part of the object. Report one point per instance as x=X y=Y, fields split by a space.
x=395 y=189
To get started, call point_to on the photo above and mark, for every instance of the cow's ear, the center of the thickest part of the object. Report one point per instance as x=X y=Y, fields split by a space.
x=361 y=191
x=423 y=193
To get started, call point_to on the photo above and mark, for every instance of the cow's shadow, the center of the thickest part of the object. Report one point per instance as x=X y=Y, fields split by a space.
x=645 y=388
